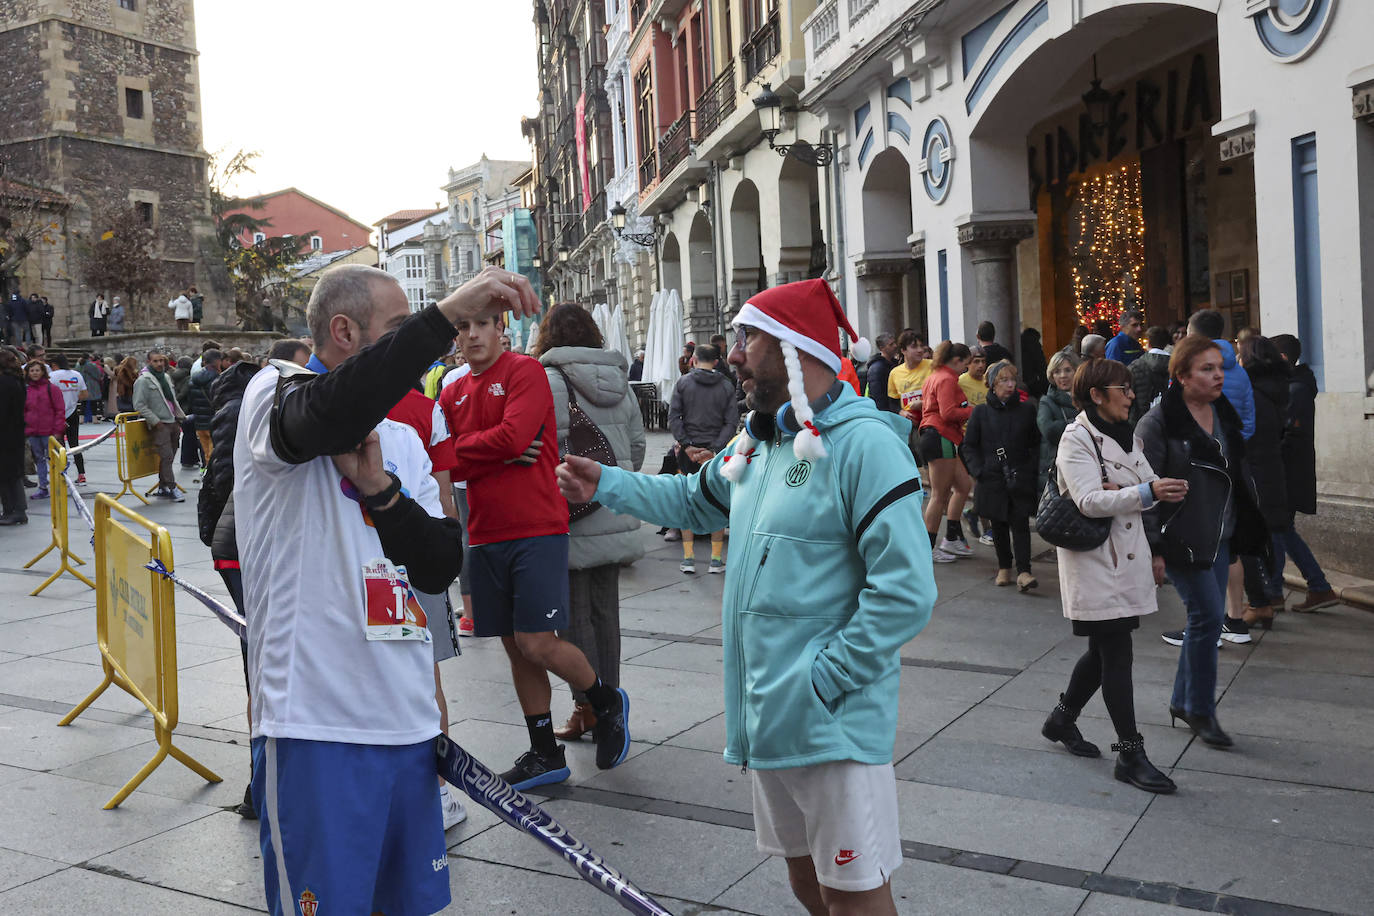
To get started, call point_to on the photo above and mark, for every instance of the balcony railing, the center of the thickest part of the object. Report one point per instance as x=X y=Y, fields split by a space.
x=594 y=214
x=648 y=169
x=857 y=9
x=759 y=51
x=716 y=104
x=825 y=26
x=676 y=142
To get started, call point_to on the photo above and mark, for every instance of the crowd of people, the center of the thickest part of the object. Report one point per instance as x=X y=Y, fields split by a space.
x=351 y=479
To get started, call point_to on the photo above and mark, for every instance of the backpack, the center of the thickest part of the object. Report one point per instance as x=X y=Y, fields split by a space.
x=585 y=439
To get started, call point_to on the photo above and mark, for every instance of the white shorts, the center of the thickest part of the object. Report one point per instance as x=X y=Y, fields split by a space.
x=842 y=814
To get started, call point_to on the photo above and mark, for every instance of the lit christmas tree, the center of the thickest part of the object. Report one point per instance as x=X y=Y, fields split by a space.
x=1107 y=245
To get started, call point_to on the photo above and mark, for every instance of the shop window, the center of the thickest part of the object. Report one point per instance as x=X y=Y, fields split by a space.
x=133 y=103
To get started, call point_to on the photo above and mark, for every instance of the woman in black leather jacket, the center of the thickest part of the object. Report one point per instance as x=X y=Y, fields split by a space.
x=1195 y=434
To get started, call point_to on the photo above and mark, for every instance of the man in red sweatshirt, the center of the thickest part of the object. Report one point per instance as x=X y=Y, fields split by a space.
x=505 y=440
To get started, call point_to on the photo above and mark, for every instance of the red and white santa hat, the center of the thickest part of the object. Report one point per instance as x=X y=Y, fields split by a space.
x=803 y=316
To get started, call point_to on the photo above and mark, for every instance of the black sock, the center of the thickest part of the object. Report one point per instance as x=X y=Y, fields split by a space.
x=542 y=740
x=602 y=698
x=953 y=531
x=932 y=538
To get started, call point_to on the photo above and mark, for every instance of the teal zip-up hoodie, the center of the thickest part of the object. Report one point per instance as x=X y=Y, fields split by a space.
x=829 y=576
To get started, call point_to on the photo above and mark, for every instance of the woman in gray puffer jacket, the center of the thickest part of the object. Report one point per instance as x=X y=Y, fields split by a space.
x=570 y=348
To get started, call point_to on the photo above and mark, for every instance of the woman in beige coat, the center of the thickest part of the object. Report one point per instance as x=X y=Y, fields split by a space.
x=1106 y=590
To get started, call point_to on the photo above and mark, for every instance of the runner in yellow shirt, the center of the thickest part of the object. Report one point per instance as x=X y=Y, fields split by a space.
x=974 y=380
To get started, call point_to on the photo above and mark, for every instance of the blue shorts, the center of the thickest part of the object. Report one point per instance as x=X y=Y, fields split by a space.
x=520 y=586
x=350 y=828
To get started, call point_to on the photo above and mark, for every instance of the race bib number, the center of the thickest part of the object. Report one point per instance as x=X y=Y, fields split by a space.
x=392 y=610
x=911 y=399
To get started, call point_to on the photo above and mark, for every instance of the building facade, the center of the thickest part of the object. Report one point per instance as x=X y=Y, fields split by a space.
x=410 y=247
x=100 y=103
x=478 y=196
x=293 y=212
x=1043 y=163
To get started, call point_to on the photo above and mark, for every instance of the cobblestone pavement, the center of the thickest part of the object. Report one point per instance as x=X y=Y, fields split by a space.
x=994 y=819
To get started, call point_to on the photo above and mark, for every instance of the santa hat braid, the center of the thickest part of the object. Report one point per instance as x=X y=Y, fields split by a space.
x=808 y=443
x=732 y=466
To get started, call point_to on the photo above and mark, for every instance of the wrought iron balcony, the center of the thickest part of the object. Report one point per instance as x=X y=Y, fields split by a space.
x=676 y=142
x=648 y=169
x=715 y=104
x=762 y=47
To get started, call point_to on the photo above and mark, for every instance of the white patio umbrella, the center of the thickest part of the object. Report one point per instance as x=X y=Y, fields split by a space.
x=665 y=374
x=622 y=339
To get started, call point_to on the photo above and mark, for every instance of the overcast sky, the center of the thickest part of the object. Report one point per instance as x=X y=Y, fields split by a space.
x=366 y=105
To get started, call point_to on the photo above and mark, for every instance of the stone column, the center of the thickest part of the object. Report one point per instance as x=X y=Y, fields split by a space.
x=991 y=245
x=880 y=284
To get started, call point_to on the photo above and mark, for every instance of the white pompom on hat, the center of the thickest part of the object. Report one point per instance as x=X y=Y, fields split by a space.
x=803 y=316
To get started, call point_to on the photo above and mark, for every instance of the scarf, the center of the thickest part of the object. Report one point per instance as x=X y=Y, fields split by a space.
x=1121 y=433
x=166 y=387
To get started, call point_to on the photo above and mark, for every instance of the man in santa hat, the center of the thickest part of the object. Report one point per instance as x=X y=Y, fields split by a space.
x=830 y=575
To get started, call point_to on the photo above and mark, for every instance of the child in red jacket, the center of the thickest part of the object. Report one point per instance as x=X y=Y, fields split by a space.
x=45 y=415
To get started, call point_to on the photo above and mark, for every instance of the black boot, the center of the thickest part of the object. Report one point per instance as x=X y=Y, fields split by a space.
x=1134 y=767
x=245 y=808
x=1060 y=727
x=1205 y=727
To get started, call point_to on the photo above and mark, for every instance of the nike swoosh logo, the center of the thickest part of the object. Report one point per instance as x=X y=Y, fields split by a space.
x=550 y=614
x=845 y=860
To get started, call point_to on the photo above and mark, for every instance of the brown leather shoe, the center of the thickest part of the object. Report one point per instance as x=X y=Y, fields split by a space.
x=579 y=723
x=1316 y=600
x=1263 y=616
x=1004 y=577
x=1025 y=582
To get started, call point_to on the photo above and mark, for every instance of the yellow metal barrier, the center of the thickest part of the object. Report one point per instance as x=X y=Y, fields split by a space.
x=135 y=614
x=135 y=454
x=58 y=502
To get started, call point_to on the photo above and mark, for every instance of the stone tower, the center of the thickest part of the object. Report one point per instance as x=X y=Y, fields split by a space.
x=100 y=101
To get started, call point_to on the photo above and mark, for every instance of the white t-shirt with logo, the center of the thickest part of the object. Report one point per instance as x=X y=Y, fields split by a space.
x=71 y=383
x=303 y=542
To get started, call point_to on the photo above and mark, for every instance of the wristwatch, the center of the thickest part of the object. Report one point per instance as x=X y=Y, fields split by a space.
x=378 y=500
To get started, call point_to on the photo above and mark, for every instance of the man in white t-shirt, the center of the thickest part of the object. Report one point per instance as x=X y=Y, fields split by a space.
x=73 y=386
x=338 y=523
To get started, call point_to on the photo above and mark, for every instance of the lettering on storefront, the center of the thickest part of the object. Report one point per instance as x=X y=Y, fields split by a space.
x=1237 y=145
x=1159 y=107
x=1363 y=102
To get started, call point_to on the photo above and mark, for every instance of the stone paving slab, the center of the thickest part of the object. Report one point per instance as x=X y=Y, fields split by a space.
x=1112 y=905
x=78 y=890
x=1285 y=760
x=1262 y=865
x=218 y=857
x=171 y=779
x=62 y=818
x=1056 y=834
x=661 y=854
x=34 y=741
x=18 y=868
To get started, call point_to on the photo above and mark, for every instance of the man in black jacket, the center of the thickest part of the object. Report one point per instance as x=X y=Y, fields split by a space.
x=702 y=415
x=879 y=368
x=332 y=499
x=198 y=399
x=1300 y=471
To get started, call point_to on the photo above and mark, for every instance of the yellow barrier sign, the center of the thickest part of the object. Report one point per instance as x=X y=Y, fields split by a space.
x=59 y=506
x=136 y=628
x=135 y=453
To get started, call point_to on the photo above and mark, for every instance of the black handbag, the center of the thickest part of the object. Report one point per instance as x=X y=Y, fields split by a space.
x=586 y=439
x=1058 y=519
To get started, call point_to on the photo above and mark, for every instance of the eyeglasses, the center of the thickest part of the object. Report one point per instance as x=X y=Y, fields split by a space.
x=1121 y=388
x=742 y=333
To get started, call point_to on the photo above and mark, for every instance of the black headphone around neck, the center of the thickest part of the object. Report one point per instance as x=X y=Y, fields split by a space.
x=761 y=426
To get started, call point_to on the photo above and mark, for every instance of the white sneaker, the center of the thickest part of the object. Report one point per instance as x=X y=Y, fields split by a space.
x=940 y=556
x=957 y=548
x=986 y=538
x=454 y=812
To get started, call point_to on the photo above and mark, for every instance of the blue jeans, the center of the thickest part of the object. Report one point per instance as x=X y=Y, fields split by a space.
x=1289 y=542
x=38 y=447
x=1204 y=595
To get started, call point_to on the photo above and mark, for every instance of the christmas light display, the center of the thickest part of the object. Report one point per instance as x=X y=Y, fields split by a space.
x=1107 y=245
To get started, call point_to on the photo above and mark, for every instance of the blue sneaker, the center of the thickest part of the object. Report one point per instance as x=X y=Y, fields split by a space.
x=612 y=732
x=534 y=769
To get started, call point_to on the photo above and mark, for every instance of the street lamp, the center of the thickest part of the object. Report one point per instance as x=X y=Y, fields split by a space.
x=565 y=261
x=642 y=239
x=769 y=106
x=1098 y=101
